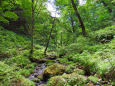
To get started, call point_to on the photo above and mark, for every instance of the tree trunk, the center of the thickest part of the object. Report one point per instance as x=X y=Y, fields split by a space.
x=79 y=17
x=32 y=31
x=72 y=24
x=105 y=4
x=61 y=43
x=47 y=44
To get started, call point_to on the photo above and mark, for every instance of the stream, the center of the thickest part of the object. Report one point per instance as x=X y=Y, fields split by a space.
x=38 y=70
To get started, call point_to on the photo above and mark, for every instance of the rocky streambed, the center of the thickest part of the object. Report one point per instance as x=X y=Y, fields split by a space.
x=42 y=72
x=36 y=76
x=60 y=74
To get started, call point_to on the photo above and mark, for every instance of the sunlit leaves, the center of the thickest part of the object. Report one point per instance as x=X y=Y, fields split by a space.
x=10 y=15
x=2 y=19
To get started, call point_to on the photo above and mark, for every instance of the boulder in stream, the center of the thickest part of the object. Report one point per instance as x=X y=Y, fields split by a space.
x=55 y=69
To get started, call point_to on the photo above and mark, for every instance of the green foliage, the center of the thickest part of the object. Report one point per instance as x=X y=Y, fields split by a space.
x=93 y=79
x=63 y=60
x=56 y=81
x=105 y=35
x=12 y=44
x=75 y=48
x=62 y=51
x=2 y=19
x=79 y=71
x=74 y=79
x=19 y=60
x=38 y=54
x=87 y=61
x=10 y=15
x=70 y=68
x=88 y=54
x=10 y=77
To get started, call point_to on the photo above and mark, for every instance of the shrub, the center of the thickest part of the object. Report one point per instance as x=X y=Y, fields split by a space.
x=10 y=77
x=74 y=79
x=70 y=68
x=105 y=35
x=86 y=60
x=61 y=51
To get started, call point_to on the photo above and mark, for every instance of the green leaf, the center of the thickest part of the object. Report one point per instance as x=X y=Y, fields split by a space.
x=2 y=19
x=10 y=15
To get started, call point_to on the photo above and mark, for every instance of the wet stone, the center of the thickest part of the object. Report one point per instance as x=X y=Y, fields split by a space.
x=37 y=72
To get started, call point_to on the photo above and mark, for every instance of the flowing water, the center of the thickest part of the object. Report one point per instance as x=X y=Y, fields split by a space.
x=38 y=70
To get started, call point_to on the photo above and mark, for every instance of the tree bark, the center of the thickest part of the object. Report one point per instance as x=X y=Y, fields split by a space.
x=79 y=17
x=105 y=4
x=32 y=31
x=47 y=44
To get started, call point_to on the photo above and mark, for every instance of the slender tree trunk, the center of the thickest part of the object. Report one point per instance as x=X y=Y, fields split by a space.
x=56 y=40
x=32 y=31
x=61 y=39
x=47 y=44
x=72 y=23
x=79 y=17
x=105 y=4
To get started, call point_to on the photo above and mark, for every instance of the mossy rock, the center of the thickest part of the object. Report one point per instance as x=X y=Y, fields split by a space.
x=93 y=79
x=56 y=81
x=55 y=69
x=52 y=56
x=36 y=80
x=75 y=79
x=79 y=71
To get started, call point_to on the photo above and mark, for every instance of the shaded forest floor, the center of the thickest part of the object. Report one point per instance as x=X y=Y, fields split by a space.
x=89 y=61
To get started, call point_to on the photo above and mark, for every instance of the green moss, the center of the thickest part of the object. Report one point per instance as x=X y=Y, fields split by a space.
x=79 y=71
x=52 y=55
x=36 y=80
x=55 y=69
x=26 y=72
x=74 y=79
x=40 y=77
x=56 y=81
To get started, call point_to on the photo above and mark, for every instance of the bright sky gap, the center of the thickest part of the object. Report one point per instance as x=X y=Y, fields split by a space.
x=52 y=8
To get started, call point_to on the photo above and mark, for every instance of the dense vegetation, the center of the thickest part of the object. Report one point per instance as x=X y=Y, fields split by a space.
x=75 y=49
